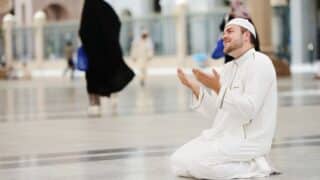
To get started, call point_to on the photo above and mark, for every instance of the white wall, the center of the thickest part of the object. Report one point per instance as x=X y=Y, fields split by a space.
x=138 y=8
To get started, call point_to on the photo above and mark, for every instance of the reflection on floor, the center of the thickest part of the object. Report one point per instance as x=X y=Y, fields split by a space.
x=45 y=132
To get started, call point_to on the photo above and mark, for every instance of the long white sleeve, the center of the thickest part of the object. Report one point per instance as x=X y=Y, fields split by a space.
x=208 y=103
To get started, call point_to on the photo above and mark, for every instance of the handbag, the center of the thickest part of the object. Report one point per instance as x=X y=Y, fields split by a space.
x=82 y=59
x=218 y=51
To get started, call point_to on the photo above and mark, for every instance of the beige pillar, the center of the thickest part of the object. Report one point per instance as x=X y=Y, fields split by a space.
x=279 y=2
x=181 y=32
x=260 y=11
x=39 y=21
x=8 y=23
x=5 y=6
x=23 y=12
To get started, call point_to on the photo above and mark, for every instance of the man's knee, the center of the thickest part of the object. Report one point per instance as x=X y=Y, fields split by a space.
x=176 y=161
x=179 y=165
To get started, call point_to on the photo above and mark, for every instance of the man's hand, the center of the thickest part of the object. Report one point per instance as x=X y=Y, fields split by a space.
x=190 y=83
x=211 y=81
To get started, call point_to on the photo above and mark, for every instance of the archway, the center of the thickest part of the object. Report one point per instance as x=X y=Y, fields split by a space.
x=56 y=12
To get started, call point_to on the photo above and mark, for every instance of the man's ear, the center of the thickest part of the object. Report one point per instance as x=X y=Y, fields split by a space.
x=247 y=35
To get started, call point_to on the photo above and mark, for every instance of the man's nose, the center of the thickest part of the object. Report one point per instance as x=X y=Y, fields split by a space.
x=224 y=37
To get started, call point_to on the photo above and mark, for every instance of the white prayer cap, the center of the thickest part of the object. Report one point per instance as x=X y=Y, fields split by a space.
x=243 y=23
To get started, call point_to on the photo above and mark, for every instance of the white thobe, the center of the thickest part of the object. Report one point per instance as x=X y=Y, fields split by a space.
x=142 y=52
x=244 y=121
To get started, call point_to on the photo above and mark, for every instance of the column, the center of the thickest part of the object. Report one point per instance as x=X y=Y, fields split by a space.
x=8 y=22
x=181 y=33
x=39 y=20
x=167 y=6
x=28 y=12
x=303 y=29
x=296 y=31
x=146 y=7
x=260 y=11
x=5 y=6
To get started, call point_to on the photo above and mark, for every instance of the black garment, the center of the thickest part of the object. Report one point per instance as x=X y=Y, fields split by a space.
x=227 y=58
x=71 y=64
x=99 y=33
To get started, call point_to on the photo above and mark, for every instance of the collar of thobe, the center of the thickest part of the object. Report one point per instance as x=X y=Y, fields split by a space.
x=236 y=63
x=244 y=57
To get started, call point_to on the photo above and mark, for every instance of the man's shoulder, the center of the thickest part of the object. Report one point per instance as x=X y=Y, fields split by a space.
x=262 y=58
x=262 y=55
x=263 y=63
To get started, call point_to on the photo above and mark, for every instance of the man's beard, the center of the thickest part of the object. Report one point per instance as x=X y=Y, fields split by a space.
x=235 y=45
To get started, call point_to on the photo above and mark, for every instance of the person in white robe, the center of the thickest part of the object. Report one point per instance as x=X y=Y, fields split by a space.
x=242 y=102
x=141 y=53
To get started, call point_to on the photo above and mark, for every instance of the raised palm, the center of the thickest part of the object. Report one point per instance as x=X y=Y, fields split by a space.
x=189 y=82
x=211 y=81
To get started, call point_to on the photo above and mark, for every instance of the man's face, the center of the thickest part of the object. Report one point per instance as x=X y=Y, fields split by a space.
x=232 y=38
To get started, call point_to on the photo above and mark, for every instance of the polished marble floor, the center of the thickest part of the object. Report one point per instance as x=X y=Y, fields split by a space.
x=45 y=133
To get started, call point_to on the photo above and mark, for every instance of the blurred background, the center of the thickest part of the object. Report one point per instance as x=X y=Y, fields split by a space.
x=45 y=131
x=36 y=31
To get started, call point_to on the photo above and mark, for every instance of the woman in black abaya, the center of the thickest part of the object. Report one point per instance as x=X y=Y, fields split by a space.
x=99 y=33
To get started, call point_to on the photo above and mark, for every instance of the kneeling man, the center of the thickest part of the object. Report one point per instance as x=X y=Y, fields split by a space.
x=242 y=102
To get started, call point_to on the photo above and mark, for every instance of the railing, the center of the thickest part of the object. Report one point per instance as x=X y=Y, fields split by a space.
x=23 y=43
x=202 y=33
x=56 y=36
x=162 y=30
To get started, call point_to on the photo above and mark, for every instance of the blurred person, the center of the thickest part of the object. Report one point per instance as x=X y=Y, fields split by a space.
x=11 y=72
x=5 y=7
x=317 y=75
x=142 y=53
x=3 y=71
x=107 y=72
x=26 y=73
x=69 y=51
x=8 y=71
x=242 y=102
x=237 y=10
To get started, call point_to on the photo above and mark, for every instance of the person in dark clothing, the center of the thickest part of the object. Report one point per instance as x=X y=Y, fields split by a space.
x=107 y=72
x=69 y=50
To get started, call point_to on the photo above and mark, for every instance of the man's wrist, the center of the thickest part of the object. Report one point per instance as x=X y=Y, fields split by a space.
x=196 y=91
x=218 y=90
